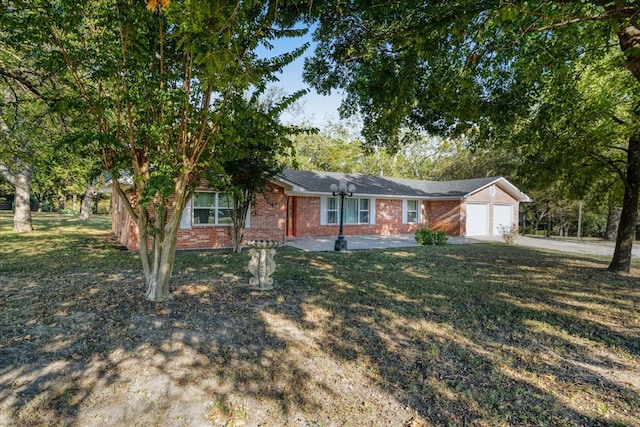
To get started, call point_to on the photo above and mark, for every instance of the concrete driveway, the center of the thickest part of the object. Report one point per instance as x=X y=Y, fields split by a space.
x=591 y=247
x=326 y=244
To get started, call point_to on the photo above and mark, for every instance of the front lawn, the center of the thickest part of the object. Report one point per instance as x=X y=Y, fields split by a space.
x=482 y=334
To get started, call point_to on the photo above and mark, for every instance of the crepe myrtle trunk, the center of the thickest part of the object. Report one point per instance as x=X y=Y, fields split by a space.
x=154 y=227
x=621 y=262
x=157 y=264
x=158 y=258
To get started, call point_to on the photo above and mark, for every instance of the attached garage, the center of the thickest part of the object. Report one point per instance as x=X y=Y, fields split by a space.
x=477 y=219
x=491 y=207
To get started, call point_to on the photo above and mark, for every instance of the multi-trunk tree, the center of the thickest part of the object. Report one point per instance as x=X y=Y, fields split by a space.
x=158 y=79
x=475 y=68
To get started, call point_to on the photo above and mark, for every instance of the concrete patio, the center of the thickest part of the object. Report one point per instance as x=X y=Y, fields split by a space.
x=326 y=243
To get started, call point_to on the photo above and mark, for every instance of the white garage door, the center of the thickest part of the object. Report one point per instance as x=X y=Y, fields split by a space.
x=477 y=219
x=502 y=215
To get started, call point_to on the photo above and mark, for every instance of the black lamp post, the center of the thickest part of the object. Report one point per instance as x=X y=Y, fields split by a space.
x=341 y=189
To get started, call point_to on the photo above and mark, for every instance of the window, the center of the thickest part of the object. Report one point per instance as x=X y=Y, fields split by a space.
x=333 y=210
x=356 y=211
x=412 y=211
x=212 y=209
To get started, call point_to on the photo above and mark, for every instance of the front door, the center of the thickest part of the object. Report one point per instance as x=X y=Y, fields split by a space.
x=291 y=216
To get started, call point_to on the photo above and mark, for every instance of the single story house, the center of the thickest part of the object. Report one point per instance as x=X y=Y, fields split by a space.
x=300 y=203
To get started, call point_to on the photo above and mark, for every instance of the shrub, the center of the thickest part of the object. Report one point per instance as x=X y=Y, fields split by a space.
x=424 y=236
x=509 y=233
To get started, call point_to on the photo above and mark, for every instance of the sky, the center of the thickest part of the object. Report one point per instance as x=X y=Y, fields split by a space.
x=316 y=108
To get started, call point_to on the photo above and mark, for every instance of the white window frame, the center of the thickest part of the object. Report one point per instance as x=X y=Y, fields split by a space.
x=330 y=210
x=215 y=209
x=325 y=203
x=405 y=211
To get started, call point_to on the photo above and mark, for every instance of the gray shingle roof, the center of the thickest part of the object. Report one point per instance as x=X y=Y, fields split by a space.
x=319 y=182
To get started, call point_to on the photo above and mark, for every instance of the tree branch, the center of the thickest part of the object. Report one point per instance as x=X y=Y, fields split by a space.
x=618 y=120
x=31 y=87
x=4 y=171
x=623 y=12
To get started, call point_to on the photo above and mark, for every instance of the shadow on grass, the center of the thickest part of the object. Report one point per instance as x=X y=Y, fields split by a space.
x=457 y=335
x=510 y=336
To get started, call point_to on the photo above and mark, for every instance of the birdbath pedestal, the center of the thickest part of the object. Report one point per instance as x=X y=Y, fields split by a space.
x=261 y=264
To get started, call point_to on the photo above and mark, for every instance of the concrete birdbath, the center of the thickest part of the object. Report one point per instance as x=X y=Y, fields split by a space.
x=261 y=264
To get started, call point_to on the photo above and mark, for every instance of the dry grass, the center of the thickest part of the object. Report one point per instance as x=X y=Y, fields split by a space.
x=484 y=335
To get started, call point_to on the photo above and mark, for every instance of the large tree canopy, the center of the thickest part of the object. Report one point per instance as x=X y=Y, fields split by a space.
x=158 y=79
x=476 y=69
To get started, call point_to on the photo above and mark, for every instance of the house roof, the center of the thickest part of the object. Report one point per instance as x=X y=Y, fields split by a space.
x=318 y=183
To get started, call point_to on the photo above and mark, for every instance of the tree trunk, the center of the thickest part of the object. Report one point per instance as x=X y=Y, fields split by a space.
x=629 y=38
x=165 y=239
x=561 y=226
x=241 y=205
x=96 y=201
x=613 y=219
x=548 y=231
x=621 y=262
x=20 y=178
x=22 y=214
x=89 y=194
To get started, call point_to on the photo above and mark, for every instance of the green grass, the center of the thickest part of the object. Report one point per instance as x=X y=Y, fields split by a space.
x=483 y=334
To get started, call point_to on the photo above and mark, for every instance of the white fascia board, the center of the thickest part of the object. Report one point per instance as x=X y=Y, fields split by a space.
x=289 y=187
x=508 y=187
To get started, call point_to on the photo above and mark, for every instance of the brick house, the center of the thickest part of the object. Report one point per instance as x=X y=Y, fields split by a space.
x=301 y=204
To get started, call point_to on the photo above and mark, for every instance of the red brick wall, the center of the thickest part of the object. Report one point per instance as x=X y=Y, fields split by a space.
x=122 y=226
x=308 y=218
x=267 y=221
x=444 y=215
x=388 y=220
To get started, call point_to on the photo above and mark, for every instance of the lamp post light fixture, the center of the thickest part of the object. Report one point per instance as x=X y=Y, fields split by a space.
x=342 y=189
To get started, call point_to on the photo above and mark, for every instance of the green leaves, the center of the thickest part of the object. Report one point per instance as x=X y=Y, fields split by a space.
x=159 y=88
x=431 y=66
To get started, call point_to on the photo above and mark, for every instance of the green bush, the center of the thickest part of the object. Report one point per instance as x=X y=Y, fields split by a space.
x=424 y=236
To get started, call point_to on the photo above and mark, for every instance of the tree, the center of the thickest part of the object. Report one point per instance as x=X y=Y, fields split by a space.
x=255 y=143
x=475 y=68
x=22 y=127
x=19 y=175
x=158 y=80
x=321 y=151
x=34 y=115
